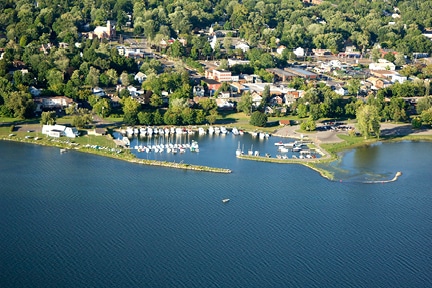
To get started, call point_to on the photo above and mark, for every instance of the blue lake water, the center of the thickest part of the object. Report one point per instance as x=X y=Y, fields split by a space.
x=79 y=220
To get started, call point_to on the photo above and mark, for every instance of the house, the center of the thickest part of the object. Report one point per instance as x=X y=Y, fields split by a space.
x=55 y=102
x=224 y=104
x=140 y=77
x=242 y=46
x=224 y=94
x=97 y=91
x=341 y=91
x=321 y=52
x=299 y=52
x=59 y=130
x=256 y=99
x=198 y=91
x=382 y=64
x=280 y=49
x=232 y=62
x=378 y=83
x=276 y=100
x=211 y=84
x=35 y=92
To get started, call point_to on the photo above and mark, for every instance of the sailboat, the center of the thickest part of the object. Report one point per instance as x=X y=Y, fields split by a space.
x=238 y=151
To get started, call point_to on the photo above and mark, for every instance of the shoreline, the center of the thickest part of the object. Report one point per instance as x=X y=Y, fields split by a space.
x=330 y=139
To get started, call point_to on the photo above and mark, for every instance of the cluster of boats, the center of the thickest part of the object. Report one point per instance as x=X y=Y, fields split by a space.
x=152 y=131
x=296 y=146
x=169 y=148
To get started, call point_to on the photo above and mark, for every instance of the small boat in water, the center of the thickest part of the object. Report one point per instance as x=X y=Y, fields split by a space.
x=225 y=200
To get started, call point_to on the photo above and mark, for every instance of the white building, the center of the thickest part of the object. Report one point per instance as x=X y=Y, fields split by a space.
x=299 y=52
x=382 y=65
x=242 y=46
x=280 y=49
x=59 y=130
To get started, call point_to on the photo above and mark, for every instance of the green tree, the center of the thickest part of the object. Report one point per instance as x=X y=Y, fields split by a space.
x=156 y=100
x=308 y=125
x=212 y=117
x=145 y=118
x=48 y=118
x=258 y=119
x=423 y=104
x=353 y=86
x=302 y=110
x=20 y=104
x=426 y=117
x=245 y=104
x=130 y=110
x=92 y=78
x=368 y=120
x=157 y=118
x=102 y=107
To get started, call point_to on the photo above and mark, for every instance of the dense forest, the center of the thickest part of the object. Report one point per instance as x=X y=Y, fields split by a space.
x=27 y=25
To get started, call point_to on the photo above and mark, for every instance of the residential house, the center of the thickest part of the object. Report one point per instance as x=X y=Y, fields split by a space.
x=393 y=76
x=256 y=99
x=224 y=94
x=341 y=90
x=140 y=77
x=242 y=46
x=378 y=83
x=224 y=104
x=97 y=91
x=382 y=64
x=280 y=49
x=211 y=84
x=55 y=102
x=198 y=91
x=321 y=52
x=292 y=95
x=276 y=100
x=299 y=52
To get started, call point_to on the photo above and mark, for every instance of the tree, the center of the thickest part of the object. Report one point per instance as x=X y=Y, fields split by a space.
x=102 y=107
x=212 y=117
x=130 y=110
x=353 y=86
x=423 y=104
x=21 y=104
x=207 y=104
x=48 y=118
x=156 y=100
x=145 y=118
x=92 y=78
x=426 y=117
x=302 y=110
x=368 y=120
x=258 y=119
x=245 y=104
x=308 y=125
x=124 y=78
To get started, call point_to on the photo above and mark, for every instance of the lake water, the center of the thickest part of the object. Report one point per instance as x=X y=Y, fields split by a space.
x=79 y=220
